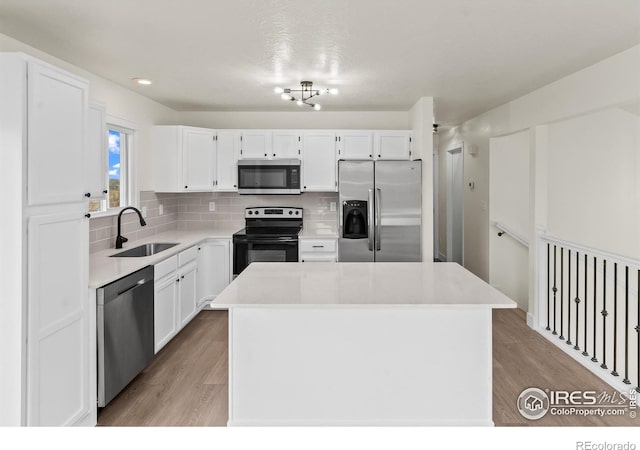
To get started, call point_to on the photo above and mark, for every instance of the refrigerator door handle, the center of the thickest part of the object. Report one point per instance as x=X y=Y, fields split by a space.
x=370 y=220
x=378 y=238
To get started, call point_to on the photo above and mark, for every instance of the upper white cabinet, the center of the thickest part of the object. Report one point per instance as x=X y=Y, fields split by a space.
x=228 y=153
x=95 y=156
x=355 y=145
x=198 y=159
x=392 y=145
x=57 y=121
x=184 y=159
x=286 y=144
x=256 y=144
x=319 y=161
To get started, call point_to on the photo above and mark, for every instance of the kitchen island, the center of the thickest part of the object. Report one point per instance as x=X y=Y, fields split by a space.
x=360 y=344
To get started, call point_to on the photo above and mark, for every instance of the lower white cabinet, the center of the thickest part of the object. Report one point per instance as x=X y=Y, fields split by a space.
x=175 y=281
x=59 y=344
x=214 y=269
x=318 y=250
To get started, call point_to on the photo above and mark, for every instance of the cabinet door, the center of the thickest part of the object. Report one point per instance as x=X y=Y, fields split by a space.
x=59 y=314
x=319 y=162
x=256 y=144
x=165 y=310
x=214 y=268
x=56 y=132
x=198 y=159
x=355 y=145
x=286 y=144
x=95 y=156
x=228 y=153
x=394 y=145
x=187 y=293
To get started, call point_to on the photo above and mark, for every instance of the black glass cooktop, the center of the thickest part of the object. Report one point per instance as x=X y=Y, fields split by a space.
x=269 y=232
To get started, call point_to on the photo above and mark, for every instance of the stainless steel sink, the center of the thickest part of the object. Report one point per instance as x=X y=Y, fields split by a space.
x=145 y=250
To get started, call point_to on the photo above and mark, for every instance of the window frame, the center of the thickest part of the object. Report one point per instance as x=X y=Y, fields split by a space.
x=130 y=181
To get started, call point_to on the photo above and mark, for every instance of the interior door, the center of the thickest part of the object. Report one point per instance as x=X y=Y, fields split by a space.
x=398 y=205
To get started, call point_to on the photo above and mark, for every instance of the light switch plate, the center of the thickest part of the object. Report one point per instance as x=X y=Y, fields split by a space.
x=212 y=206
x=160 y=210
x=332 y=206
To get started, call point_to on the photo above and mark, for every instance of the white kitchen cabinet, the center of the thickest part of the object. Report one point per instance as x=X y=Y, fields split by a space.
x=58 y=383
x=57 y=104
x=256 y=144
x=48 y=327
x=198 y=159
x=214 y=269
x=95 y=156
x=392 y=145
x=286 y=144
x=228 y=153
x=165 y=306
x=184 y=159
x=355 y=145
x=318 y=250
x=319 y=161
x=187 y=302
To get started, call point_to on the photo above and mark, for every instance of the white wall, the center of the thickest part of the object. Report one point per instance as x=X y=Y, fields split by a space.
x=509 y=193
x=594 y=181
x=120 y=102
x=422 y=125
x=612 y=82
x=376 y=120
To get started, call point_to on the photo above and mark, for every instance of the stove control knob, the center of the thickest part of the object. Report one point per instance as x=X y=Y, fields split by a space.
x=297 y=212
x=250 y=212
x=290 y=212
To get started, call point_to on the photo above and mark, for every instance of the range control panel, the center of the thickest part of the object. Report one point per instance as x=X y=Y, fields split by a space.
x=272 y=212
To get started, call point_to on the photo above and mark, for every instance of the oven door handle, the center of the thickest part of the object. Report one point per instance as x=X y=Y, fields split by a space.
x=265 y=241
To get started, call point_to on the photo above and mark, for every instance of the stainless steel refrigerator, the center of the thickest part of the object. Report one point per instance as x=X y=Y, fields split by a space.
x=380 y=212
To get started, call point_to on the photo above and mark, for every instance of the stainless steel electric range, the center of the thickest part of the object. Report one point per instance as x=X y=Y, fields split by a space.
x=270 y=235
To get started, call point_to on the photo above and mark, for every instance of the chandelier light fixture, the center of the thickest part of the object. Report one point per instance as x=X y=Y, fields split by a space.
x=304 y=94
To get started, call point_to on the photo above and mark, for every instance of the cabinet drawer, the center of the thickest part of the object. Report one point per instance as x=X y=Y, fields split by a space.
x=317 y=245
x=187 y=256
x=314 y=257
x=165 y=267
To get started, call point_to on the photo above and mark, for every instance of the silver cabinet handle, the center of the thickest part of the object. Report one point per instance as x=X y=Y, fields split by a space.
x=378 y=218
x=370 y=219
x=317 y=246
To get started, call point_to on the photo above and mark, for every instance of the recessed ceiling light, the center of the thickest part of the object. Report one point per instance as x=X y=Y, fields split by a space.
x=144 y=81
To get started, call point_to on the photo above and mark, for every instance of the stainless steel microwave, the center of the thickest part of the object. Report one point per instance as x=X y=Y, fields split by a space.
x=269 y=176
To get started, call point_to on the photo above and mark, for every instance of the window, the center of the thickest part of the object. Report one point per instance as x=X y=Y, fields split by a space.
x=118 y=171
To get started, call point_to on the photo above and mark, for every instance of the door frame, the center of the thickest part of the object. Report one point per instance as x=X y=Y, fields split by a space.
x=452 y=150
x=436 y=202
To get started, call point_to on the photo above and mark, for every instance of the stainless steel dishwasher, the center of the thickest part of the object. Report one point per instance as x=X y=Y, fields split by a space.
x=125 y=331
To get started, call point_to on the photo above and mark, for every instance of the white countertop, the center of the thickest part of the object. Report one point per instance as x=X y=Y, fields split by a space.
x=103 y=269
x=363 y=284
x=319 y=230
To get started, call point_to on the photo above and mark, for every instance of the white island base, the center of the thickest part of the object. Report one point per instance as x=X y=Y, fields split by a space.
x=301 y=358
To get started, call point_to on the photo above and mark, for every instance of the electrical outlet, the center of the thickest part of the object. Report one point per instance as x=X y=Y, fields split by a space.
x=144 y=211
x=332 y=206
x=212 y=206
x=160 y=210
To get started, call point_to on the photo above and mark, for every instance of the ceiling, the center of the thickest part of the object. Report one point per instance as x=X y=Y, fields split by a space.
x=383 y=55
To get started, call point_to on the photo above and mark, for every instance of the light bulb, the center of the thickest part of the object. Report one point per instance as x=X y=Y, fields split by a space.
x=285 y=97
x=278 y=90
x=333 y=91
x=299 y=102
x=321 y=92
x=317 y=107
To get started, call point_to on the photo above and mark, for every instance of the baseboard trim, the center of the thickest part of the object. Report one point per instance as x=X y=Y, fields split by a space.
x=531 y=321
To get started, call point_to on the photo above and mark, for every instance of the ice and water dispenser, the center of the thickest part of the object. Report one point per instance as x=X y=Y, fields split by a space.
x=354 y=214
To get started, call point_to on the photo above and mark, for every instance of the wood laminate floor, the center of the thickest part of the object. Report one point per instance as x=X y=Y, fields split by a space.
x=186 y=384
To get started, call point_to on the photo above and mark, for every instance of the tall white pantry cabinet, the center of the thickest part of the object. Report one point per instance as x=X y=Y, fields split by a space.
x=47 y=341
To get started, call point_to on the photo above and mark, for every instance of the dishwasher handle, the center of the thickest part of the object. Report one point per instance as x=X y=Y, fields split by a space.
x=139 y=283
